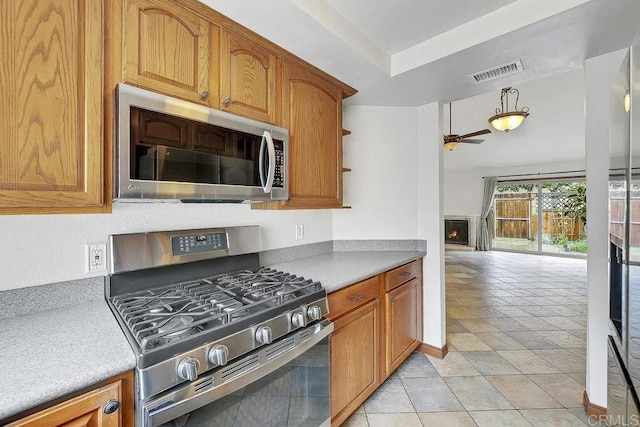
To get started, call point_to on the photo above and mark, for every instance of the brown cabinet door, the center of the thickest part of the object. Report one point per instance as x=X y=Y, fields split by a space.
x=167 y=49
x=86 y=410
x=354 y=360
x=151 y=128
x=212 y=139
x=51 y=106
x=402 y=324
x=312 y=110
x=248 y=78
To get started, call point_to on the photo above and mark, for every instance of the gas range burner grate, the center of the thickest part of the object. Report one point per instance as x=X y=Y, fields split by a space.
x=160 y=316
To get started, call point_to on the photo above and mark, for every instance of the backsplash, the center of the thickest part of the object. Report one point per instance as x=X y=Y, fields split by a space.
x=28 y=300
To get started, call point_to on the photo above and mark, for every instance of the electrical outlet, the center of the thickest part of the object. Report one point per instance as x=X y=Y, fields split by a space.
x=299 y=231
x=96 y=256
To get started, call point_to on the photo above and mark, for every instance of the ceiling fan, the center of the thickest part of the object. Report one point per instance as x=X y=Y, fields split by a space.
x=451 y=141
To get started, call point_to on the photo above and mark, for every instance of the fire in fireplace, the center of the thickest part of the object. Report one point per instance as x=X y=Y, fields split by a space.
x=456 y=231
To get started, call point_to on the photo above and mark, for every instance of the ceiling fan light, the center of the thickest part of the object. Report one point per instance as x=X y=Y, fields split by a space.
x=508 y=121
x=450 y=145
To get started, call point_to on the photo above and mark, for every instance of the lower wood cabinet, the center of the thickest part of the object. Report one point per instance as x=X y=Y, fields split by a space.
x=378 y=324
x=354 y=359
x=401 y=307
x=108 y=406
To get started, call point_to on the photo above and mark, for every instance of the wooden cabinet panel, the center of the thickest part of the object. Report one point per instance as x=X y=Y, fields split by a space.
x=354 y=360
x=248 y=78
x=212 y=139
x=402 y=327
x=86 y=410
x=151 y=128
x=398 y=276
x=352 y=297
x=51 y=106
x=168 y=49
x=312 y=110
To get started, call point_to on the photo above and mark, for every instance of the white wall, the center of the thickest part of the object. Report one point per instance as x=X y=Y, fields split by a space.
x=395 y=188
x=382 y=187
x=431 y=222
x=551 y=139
x=463 y=188
x=551 y=133
x=40 y=249
x=599 y=75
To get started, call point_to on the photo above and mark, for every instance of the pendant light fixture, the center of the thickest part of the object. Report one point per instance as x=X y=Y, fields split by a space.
x=504 y=119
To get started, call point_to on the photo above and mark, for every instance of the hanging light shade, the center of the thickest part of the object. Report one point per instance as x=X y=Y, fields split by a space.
x=450 y=145
x=504 y=119
x=626 y=101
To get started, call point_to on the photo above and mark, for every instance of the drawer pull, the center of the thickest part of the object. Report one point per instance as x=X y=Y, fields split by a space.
x=356 y=298
x=111 y=406
x=405 y=274
x=393 y=299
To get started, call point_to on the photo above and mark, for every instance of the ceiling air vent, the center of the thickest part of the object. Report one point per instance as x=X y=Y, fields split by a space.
x=498 y=72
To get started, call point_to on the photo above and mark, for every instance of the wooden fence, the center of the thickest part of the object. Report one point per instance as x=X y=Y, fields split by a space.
x=516 y=216
x=616 y=214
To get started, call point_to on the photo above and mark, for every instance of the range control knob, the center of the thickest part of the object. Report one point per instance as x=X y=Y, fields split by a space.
x=298 y=320
x=218 y=355
x=188 y=369
x=314 y=312
x=263 y=335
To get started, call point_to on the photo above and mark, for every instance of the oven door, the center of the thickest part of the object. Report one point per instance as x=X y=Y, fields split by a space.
x=285 y=383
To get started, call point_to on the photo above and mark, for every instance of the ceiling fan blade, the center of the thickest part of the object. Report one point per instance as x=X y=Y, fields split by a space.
x=477 y=133
x=472 y=141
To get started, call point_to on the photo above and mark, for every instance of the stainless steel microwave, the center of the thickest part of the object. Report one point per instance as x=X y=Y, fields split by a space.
x=168 y=149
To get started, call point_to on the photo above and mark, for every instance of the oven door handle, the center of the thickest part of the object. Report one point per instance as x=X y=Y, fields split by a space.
x=178 y=403
x=267 y=181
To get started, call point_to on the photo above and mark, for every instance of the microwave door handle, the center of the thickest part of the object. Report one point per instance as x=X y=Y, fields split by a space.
x=271 y=149
x=261 y=174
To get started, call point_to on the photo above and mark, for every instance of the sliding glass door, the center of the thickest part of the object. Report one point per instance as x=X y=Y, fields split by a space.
x=541 y=217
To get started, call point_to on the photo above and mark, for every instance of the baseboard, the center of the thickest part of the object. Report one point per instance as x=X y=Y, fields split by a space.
x=592 y=410
x=431 y=350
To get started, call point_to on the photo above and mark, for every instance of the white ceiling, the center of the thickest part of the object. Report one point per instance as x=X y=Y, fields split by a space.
x=400 y=24
x=413 y=52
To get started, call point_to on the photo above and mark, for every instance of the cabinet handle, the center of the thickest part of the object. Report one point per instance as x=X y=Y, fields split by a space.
x=356 y=298
x=111 y=406
x=227 y=101
x=204 y=95
x=405 y=274
x=393 y=299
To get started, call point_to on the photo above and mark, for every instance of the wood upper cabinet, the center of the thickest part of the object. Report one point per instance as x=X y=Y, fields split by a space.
x=247 y=78
x=312 y=111
x=212 y=140
x=151 y=128
x=51 y=106
x=170 y=50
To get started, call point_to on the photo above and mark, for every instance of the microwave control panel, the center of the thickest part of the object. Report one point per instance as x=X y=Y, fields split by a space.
x=278 y=179
x=198 y=243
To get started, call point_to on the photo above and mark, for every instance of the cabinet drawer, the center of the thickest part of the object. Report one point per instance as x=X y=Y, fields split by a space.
x=402 y=274
x=352 y=297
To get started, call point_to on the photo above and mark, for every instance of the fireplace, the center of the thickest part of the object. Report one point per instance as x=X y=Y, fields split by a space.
x=456 y=231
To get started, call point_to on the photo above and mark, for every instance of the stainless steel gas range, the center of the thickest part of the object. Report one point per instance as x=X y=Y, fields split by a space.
x=219 y=340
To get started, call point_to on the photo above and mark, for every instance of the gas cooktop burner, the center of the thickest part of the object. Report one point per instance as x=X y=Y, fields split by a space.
x=160 y=316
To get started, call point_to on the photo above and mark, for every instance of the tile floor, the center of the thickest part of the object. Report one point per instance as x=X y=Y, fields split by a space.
x=516 y=328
